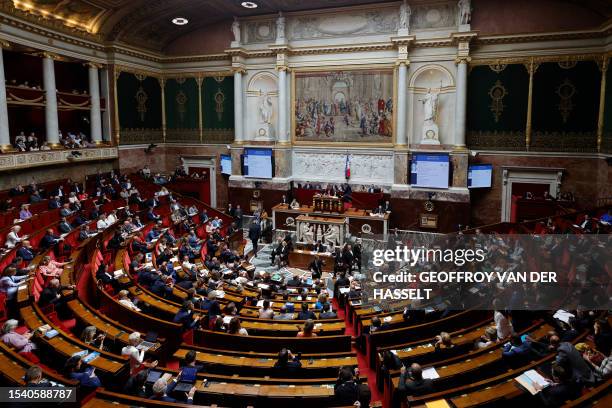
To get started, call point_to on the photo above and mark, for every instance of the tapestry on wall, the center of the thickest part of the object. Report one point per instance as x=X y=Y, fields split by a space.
x=344 y=106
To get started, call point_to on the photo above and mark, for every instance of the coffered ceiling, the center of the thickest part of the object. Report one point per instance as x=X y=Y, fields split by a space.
x=147 y=23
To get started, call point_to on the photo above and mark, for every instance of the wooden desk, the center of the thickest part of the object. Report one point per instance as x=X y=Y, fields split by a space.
x=301 y=259
x=67 y=346
x=264 y=366
x=356 y=219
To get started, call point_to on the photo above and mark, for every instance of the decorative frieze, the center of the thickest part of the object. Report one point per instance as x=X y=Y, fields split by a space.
x=54 y=157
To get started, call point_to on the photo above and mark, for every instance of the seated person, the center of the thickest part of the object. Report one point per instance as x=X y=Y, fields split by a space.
x=161 y=389
x=34 y=379
x=86 y=376
x=50 y=268
x=25 y=213
x=327 y=313
x=21 y=343
x=412 y=381
x=287 y=363
x=308 y=329
x=283 y=315
x=236 y=328
x=49 y=240
x=125 y=300
x=186 y=317
x=10 y=282
x=266 y=312
x=306 y=314
x=13 y=238
x=562 y=388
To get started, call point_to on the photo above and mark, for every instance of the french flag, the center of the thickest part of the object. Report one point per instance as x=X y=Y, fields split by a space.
x=347 y=167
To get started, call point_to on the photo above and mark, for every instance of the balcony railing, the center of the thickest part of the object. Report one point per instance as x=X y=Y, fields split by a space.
x=13 y=161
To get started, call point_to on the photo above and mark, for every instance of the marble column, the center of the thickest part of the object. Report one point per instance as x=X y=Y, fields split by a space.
x=106 y=115
x=283 y=135
x=5 y=137
x=51 y=120
x=238 y=128
x=461 y=102
x=401 y=104
x=95 y=115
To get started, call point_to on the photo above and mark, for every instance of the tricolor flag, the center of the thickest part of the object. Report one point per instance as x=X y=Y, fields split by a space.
x=347 y=167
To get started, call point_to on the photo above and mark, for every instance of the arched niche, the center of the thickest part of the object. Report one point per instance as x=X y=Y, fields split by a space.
x=433 y=77
x=260 y=85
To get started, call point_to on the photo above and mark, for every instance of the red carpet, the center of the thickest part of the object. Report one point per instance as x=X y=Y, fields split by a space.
x=364 y=368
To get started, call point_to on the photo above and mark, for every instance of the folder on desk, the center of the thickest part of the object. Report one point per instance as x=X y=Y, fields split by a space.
x=529 y=379
x=431 y=373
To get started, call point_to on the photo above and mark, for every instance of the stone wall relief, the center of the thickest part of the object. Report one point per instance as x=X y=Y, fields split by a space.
x=316 y=165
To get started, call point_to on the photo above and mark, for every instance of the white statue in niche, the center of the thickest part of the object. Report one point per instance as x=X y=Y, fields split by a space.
x=265 y=109
x=236 y=31
x=404 y=18
x=430 y=115
x=465 y=12
x=265 y=129
x=280 y=28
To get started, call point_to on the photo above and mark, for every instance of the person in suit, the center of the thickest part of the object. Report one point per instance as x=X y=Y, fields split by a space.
x=306 y=314
x=26 y=252
x=287 y=364
x=379 y=210
x=65 y=211
x=161 y=389
x=562 y=388
x=572 y=361
x=412 y=381
x=64 y=226
x=48 y=240
x=319 y=247
x=386 y=207
x=254 y=235
x=327 y=313
x=316 y=267
x=347 y=257
x=185 y=316
x=54 y=203
x=84 y=375
x=346 y=389
x=238 y=216
x=34 y=379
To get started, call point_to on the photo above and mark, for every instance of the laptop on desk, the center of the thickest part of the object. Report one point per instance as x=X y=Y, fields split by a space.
x=187 y=379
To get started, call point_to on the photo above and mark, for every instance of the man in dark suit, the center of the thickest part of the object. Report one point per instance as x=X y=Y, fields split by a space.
x=316 y=267
x=64 y=227
x=54 y=203
x=347 y=257
x=387 y=206
x=571 y=359
x=26 y=252
x=412 y=381
x=562 y=389
x=48 y=240
x=306 y=314
x=254 y=235
x=357 y=254
x=319 y=247
x=238 y=216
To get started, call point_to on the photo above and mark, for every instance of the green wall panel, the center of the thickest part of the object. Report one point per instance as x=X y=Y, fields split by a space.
x=497 y=101
x=182 y=104
x=218 y=103
x=133 y=115
x=566 y=100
